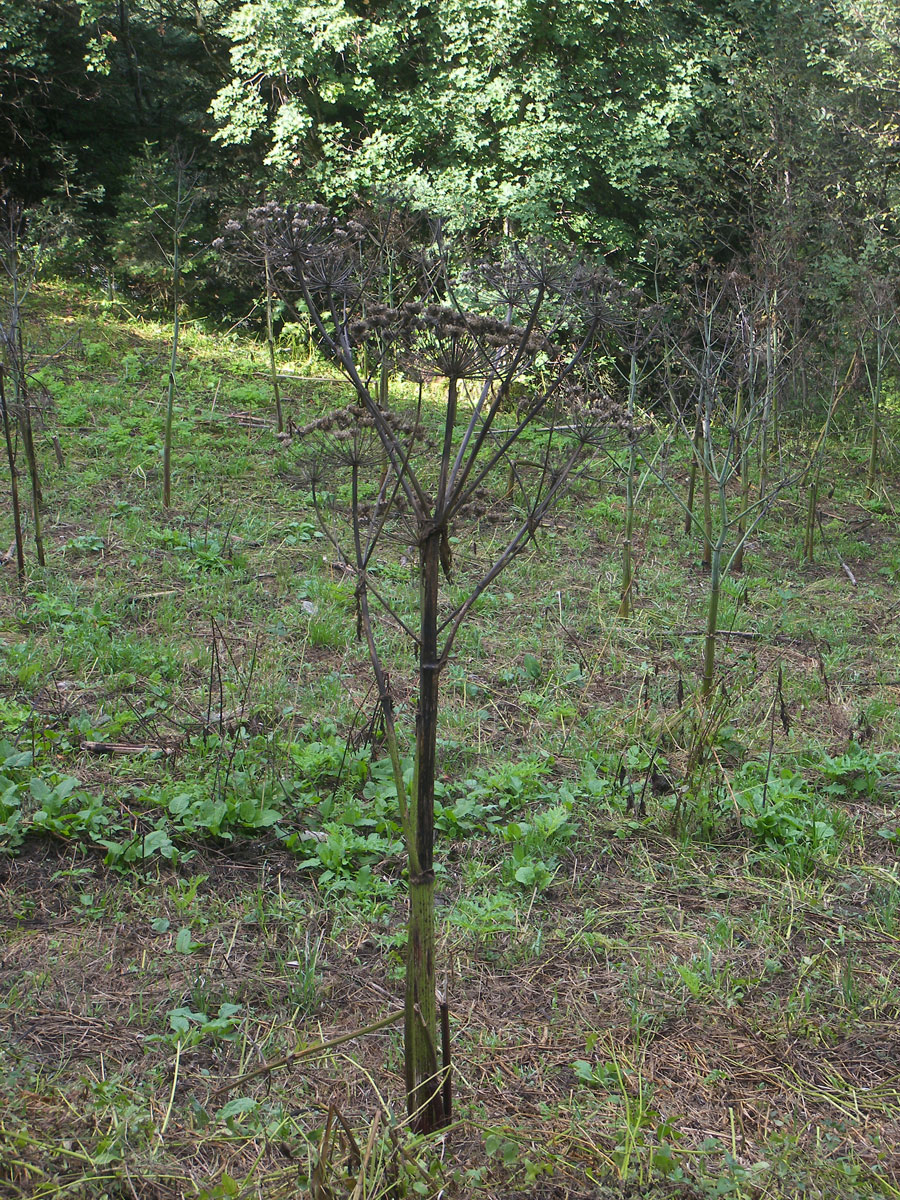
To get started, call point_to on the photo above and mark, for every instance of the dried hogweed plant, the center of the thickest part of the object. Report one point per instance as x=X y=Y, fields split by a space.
x=425 y=470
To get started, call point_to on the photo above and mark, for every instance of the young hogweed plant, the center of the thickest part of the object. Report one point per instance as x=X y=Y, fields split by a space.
x=25 y=238
x=716 y=401
x=533 y=315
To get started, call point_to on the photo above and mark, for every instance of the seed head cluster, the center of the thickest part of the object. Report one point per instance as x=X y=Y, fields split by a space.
x=436 y=340
x=342 y=423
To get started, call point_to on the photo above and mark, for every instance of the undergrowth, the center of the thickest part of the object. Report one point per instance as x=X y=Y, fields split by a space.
x=668 y=928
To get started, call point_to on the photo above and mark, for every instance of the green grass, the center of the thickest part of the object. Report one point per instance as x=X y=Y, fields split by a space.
x=669 y=933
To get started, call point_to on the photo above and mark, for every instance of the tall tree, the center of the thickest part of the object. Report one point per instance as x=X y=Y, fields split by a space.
x=523 y=112
x=793 y=132
x=85 y=83
x=44 y=87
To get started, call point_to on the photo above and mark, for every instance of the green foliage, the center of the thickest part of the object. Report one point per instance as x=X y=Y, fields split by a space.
x=13 y=715
x=758 y=915
x=44 y=804
x=605 y=1075
x=473 y=112
x=298 y=533
x=783 y=813
x=161 y=199
x=83 y=85
x=190 y=1028
x=599 y=118
x=854 y=775
x=12 y=765
x=201 y=551
x=535 y=845
x=66 y=615
x=345 y=803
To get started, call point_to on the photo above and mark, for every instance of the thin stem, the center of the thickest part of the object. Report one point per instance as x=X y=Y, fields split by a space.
x=696 y=443
x=626 y=604
x=312 y=1051
x=461 y=490
x=13 y=484
x=382 y=508
x=706 y=564
x=516 y=544
x=342 y=354
x=424 y=1094
x=385 y=696
x=175 y=1073
x=712 y=624
x=31 y=458
x=457 y=482
x=270 y=341
x=173 y=359
x=447 y=450
x=743 y=472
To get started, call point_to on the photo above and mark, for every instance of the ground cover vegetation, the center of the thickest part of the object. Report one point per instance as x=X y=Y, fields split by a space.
x=664 y=926
x=448 y=654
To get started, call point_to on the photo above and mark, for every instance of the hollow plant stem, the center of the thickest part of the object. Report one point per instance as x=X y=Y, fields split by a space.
x=270 y=342
x=173 y=360
x=875 y=387
x=423 y=1078
x=626 y=604
x=741 y=457
x=769 y=402
x=33 y=474
x=692 y=476
x=13 y=485
x=813 y=470
x=712 y=622
x=706 y=563
x=809 y=531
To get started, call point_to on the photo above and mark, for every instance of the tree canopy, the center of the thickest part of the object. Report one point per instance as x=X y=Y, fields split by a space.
x=524 y=112
x=696 y=128
x=700 y=121
x=85 y=83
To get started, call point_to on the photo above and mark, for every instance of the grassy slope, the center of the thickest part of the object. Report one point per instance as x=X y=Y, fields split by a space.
x=697 y=1008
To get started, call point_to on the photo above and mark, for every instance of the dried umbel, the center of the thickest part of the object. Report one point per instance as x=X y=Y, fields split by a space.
x=535 y=271
x=483 y=506
x=436 y=340
x=587 y=409
x=341 y=422
x=573 y=299
x=297 y=242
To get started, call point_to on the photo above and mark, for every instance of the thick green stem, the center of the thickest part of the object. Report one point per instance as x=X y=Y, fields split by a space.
x=16 y=346
x=809 y=534
x=626 y=605
x=768 y=413
x=872 y=469
x=423 y=1077
x=706 y=564
x=424 y=1098
x=173 y=361
x=875 y=385
x=712 y=623
x=31 y=457
x=813 y=470
x=743 y=468
x=692 y=478
x=13 y=486
x=270 y=342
